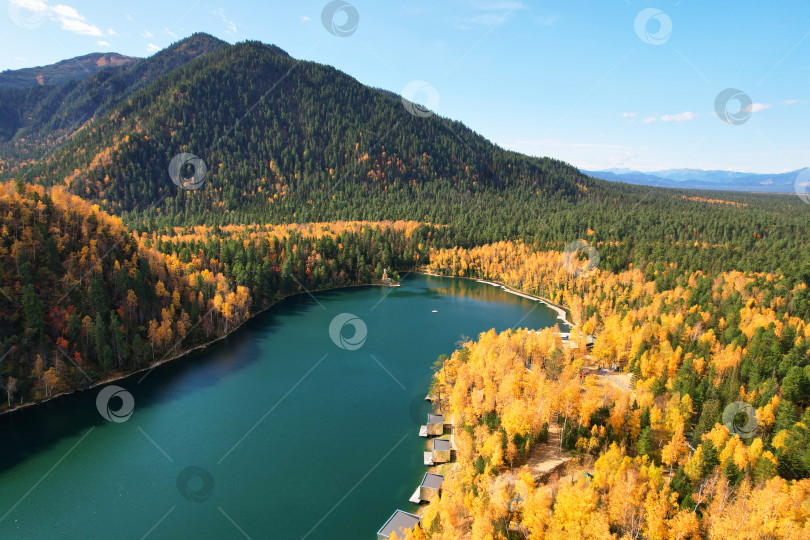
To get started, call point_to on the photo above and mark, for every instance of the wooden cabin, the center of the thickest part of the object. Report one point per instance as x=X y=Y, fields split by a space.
x=442 y=451
x=399 y=522
x=435 y=424
x=431 y=486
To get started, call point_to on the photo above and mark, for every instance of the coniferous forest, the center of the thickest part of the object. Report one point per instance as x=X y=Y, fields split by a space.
x=107 y=267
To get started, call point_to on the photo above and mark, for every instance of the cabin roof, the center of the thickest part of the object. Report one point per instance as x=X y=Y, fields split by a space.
x=433 y=481
x=435 y=419
x=399 y=522
x=441 y=444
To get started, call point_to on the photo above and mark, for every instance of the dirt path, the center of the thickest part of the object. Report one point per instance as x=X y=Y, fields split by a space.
x=545 y=458
x=622 y=381
x=617 y=379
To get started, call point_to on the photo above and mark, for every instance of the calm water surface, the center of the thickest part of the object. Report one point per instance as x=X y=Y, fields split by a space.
x=299 y=437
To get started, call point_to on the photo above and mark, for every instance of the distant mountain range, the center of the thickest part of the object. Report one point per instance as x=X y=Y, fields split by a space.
x=700 y=179
x=66 y=70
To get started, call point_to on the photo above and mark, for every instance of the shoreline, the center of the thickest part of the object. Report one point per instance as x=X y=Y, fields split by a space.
x=560 y=311
x=562 y=314
x=199 y=347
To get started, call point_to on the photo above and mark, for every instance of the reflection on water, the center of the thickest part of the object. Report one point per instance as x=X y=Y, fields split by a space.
x=312 y=433
x=474 y=290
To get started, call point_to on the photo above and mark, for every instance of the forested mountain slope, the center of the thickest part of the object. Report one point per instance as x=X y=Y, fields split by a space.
x=313 y=127
x=83 y=298
x=292 y=141
x=35 y=118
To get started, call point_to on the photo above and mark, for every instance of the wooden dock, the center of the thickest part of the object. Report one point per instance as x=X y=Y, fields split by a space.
x=415 y=498
x=429 y=459
x=423 y=431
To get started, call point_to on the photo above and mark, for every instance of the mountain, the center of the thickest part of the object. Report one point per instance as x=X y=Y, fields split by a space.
x=700 y=179
x=290 y=141
x=285 y=140
x=108 y=267
x=701 y=175
x=79 y=67
x=36 y=119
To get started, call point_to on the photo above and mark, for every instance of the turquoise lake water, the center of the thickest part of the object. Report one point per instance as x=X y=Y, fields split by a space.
x=274 y=432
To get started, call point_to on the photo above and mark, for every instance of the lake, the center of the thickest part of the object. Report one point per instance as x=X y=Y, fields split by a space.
x=278 y=431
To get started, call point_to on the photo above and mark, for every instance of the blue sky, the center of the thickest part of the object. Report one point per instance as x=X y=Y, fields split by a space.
x=600 y=84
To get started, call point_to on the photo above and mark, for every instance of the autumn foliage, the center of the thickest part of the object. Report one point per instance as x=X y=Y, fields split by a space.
x=82 y=297
x=662 y=460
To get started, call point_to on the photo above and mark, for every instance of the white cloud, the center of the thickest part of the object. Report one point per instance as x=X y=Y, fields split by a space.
x=689 y=115
x=111 y=32
x=61 y=10
x=103 y=43
x=231 y=26
x=31 y=5
x=757 y=107
x=67 y=16
x=680 y=117
x=146 y=34
x=628 y=115
x=72 y=21
x=304 y=18
x=169 y=32
x=129 y=17
x=152 y=48
x=80 y=27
